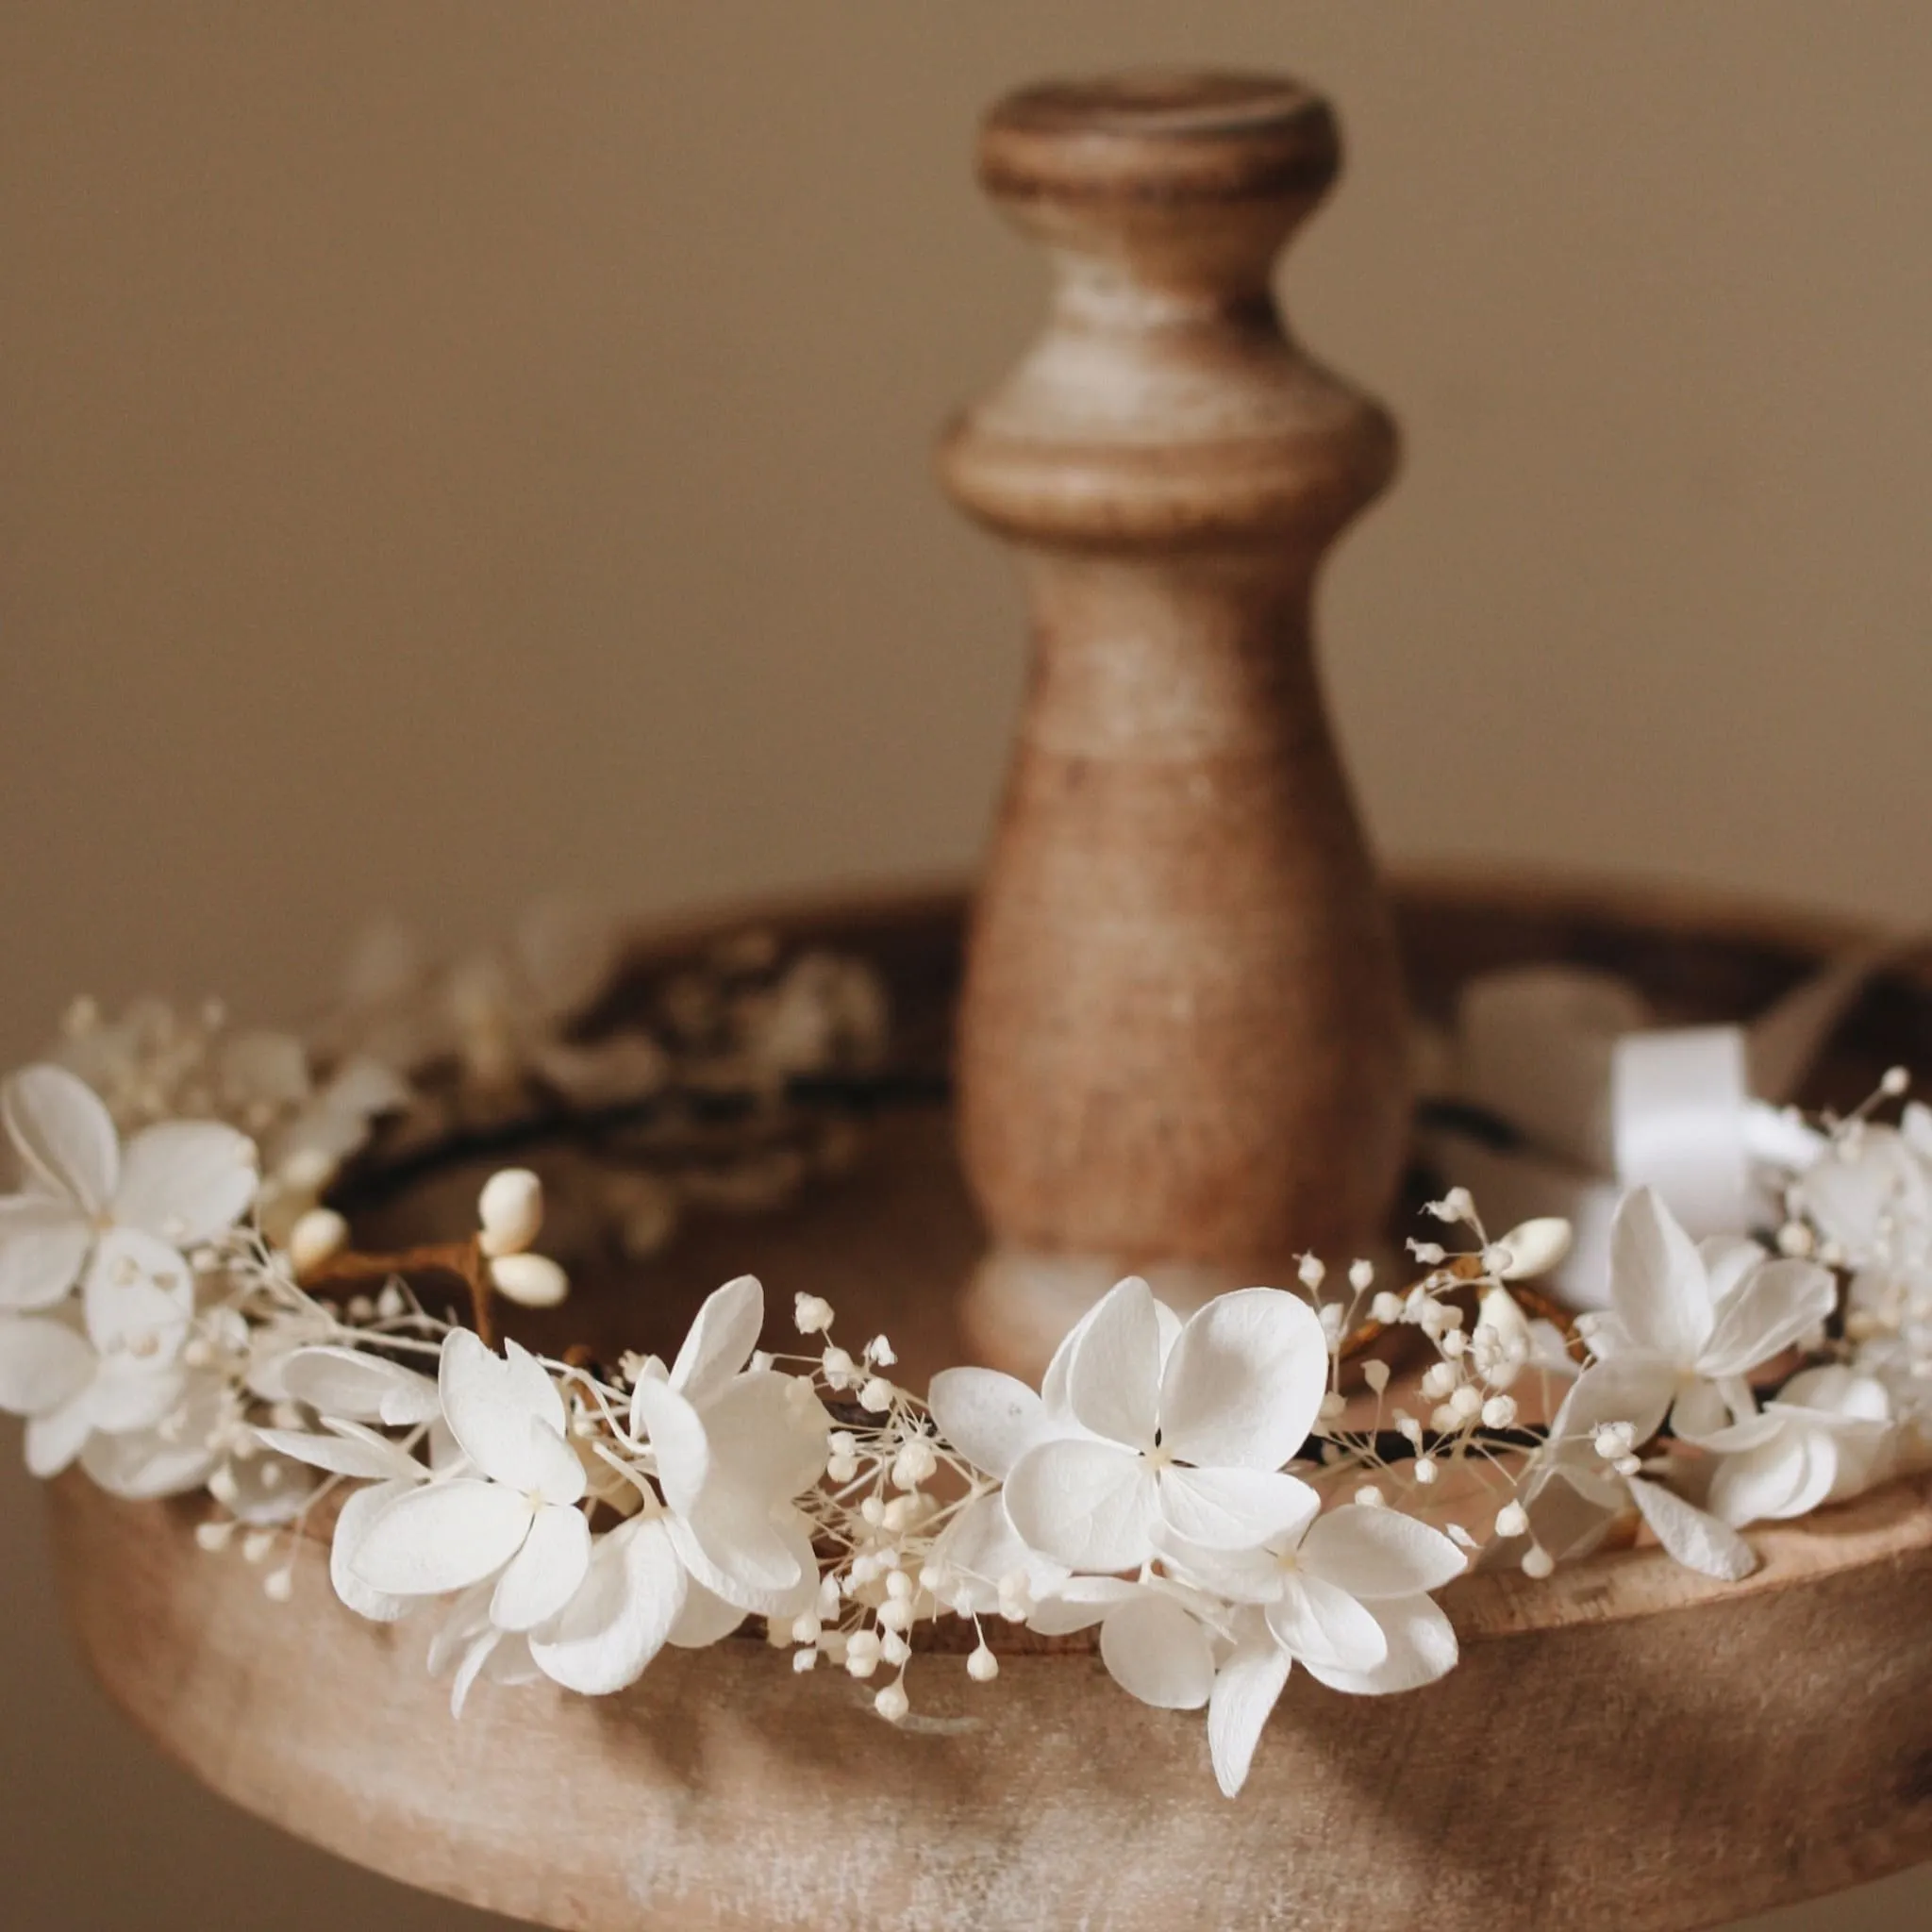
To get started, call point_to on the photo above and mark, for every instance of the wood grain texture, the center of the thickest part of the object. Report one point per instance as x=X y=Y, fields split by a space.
x=1626 y=1746
x=1181 y=1038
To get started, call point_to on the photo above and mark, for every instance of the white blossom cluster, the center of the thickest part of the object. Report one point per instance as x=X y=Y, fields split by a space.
x=1221 y=1498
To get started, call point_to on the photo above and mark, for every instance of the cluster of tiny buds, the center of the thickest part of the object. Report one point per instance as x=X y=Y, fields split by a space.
x=886 y=1514
x=1616 y=1444
x=1466 y=1389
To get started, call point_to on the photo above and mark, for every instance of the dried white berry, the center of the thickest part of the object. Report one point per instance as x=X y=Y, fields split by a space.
x=510 y=1208
x=532 y=1281
x=318 y=1237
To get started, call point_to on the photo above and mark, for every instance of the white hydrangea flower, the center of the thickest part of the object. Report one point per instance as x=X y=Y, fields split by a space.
x=92 y=1208
x=733 y=1447
x=1826 y=1435
x=1687 y=1323
x=1185 y=1441
x=1869 y=1190
x=115 y=1222
x=729 y=1449
x=1571 y=1495
x=1345 y=1595
x=512 y=1515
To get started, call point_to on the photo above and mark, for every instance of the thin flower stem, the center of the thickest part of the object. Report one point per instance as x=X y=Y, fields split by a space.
x=464 y=1260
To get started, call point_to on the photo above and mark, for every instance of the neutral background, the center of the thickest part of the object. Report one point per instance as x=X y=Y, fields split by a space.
x=449 y=451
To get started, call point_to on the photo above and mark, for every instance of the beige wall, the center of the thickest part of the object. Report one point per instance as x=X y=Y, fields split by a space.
x=448 y=450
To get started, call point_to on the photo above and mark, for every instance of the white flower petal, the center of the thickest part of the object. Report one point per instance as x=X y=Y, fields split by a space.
x=1697 y=1540
x=1156 y=1652
x=679 y=1442
x=1246 y=1689
x=356 y=1386
x=544 y=1574
x=1789 y=1476
x=167 y=1461
x=43 y=1364
x=1251 y=1576
x=722 y=1337
x=440 y=1538
x=561 y=1478
x=470 y=1668
x=1113 y=1378
x=270 y=1348
x=463 y=1621
x=1090 y=1506
x=1379 y=1553
x=126 y=1396
x=1779 y=1304
x=631 y=1600
x=1701 y=1415
x=43 y=1242
x=1728 y=1261
x=705 y=1620
x=1244 y=1381
x=1657 y=1285
x=1325 y=1626
x=361 y=1509
x=511 y=1662
x=346 y=1450
x=64 y=1134
x=184 y=1181
x=768 y=1436
x=1836 y=1390
x=1080 y=1603
x=1722 y=1421
x=53 y=1439
x=980 y=1546
x=990 y=1418
x=1171 y=1325
x=1053 y=1385
x=491 y=1401
x=147 y=1466
x=1634 y=1389
x=762 y=1564
x=139 y=1296
x=1422 y=1647
x=1234 y=1509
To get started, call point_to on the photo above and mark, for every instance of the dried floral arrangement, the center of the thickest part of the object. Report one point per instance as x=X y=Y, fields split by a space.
x=1221 y=1497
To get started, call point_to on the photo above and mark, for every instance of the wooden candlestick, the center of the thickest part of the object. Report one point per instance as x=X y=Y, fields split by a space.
x=1182 y=1035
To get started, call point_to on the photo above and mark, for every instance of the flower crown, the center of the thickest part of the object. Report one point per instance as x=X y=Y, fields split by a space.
x=1220 y=1497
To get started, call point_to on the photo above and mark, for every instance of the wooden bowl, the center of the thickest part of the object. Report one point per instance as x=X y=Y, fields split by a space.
x=1624 y=1746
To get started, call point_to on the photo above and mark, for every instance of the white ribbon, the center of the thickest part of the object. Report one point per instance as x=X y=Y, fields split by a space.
x=1601 y=1100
